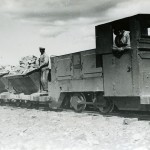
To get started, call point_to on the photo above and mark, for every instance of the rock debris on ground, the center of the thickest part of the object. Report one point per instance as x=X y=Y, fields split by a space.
x=29 y=129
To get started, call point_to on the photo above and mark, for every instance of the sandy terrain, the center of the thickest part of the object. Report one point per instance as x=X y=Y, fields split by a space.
x=23 y=129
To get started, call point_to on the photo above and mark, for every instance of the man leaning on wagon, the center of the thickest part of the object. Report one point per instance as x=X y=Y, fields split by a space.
x=121 y=42
x=122 y=39
x=44 y=63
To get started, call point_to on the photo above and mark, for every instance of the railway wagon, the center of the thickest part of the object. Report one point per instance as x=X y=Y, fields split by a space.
x=76 y=80
x=22 y=89
x=2 y=85
x=109 y=75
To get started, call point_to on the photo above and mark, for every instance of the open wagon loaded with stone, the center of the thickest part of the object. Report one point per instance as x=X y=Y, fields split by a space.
x=22 y=83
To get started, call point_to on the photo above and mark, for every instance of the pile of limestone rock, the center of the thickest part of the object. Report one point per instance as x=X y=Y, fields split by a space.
x=26 y=65
x=3 y=71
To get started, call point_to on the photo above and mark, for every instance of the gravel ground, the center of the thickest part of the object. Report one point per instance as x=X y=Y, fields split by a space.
x=25 y=129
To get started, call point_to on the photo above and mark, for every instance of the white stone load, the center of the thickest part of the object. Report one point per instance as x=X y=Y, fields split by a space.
x=26 y=65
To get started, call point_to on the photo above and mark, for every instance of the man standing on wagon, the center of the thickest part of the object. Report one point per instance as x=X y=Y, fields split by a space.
x=44 y=63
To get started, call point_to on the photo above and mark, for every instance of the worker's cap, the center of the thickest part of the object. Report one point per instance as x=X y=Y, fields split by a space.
x=41 y=48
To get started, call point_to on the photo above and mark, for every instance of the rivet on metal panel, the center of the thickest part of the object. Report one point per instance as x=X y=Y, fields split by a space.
x=128 y=68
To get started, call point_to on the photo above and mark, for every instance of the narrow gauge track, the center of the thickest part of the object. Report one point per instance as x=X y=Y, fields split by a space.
x=131 y=114
x=124 y=114
x=145 y=116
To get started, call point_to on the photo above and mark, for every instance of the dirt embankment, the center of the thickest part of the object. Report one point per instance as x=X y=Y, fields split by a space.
x=23 y=129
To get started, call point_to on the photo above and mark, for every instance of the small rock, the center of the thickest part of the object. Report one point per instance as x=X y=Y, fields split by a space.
x=137 y=137
x=128 y=121
x=33 y=116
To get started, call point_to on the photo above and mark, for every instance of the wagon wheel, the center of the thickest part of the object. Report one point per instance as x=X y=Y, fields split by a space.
x=1 y=102
x=77 y=102
x=50 y=106
x=18 y=103
x=106 y=107
x=37 y=105
x=29 y=104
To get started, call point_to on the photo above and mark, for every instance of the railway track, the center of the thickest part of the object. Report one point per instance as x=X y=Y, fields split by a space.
x=130 y=114
x=145 y=116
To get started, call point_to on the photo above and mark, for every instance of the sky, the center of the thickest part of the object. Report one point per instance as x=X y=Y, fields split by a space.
x=61 y=26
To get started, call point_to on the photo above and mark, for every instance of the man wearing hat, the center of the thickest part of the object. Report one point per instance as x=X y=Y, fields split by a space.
x=44 y=63
x=122 y=38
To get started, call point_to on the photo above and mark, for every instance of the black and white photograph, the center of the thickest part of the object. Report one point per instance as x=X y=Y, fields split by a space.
x=74 y=75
